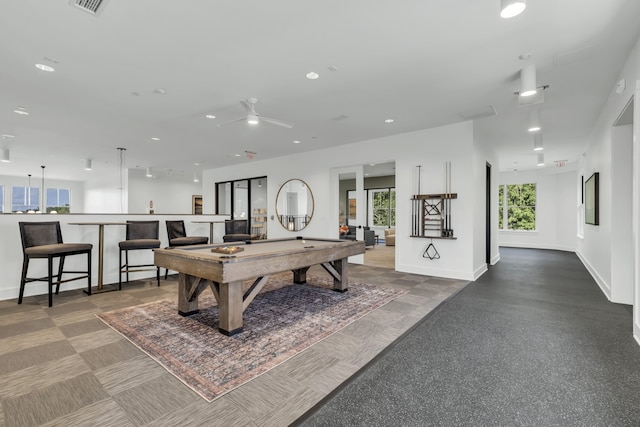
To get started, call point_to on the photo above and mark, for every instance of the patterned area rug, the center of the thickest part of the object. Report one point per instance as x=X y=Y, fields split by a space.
x=282 y=321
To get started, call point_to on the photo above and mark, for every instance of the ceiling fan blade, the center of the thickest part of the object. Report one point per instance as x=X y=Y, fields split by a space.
x=276 y=122
x=241 y=119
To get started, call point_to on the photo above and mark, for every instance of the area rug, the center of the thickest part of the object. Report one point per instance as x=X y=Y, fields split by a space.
x=282 y=321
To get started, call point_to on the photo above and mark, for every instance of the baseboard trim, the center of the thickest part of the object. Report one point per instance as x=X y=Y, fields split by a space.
x=604 y=286
x=448 y=274
x=535 y=246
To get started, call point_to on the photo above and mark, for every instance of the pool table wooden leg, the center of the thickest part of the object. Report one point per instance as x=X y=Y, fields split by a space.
x=189 y=288
x=230 y=306
x=341 y=284
x=339 y=270
x=300 y=275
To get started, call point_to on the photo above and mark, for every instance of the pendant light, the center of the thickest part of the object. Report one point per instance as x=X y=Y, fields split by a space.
x=87 y=165
x=537 y=142
x=540 y=159
x=528 y=80
x=6 y=155
x=534 y=121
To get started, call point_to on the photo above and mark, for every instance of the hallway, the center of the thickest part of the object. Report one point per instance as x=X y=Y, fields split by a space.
x=533 y=342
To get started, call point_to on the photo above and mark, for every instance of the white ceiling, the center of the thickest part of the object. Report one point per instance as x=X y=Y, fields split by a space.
x=422 y=63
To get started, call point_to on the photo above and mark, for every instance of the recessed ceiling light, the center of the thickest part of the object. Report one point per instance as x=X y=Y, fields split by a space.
x=155 y=139
x=511 y=8
x=296 y=142
x=45 y=68
x=210 y=116
x=7 y=136
x=236 y=155
x=312 y=75
x=389 y=121
x=160 y=91
x=372 y=164
x=196 y=164
x=21 y=110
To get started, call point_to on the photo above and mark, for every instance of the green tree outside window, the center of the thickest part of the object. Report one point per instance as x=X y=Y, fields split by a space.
x=520 y=206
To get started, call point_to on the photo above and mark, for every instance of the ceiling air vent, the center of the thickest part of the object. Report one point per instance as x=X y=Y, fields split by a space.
x=93 y=7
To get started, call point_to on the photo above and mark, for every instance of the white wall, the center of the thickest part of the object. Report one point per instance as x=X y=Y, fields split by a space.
x=484 y=153
x=621 y=215
x=170 y=194
x=105 y=194
x=429 y=148
x=595 y=248
x=556 y=196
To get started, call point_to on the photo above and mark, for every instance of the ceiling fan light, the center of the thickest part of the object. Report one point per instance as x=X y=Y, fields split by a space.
x=511 y=8
x=534 y=121
x=252 y=119
x=528 y=80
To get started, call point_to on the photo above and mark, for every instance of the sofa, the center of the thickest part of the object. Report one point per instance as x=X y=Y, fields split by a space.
x=390 y=236
x=350 y=234
x=369 y=235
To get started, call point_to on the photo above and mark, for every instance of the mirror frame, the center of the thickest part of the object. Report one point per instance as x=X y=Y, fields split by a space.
x=291 y=226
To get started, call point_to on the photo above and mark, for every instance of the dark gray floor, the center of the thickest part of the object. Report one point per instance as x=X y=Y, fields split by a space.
x=533 y=342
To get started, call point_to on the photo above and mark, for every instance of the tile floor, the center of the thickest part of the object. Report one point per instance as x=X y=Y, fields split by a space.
x=62 y=366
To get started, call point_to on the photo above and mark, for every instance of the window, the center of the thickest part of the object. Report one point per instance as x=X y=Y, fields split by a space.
x=237 y=198
x=382 y=207
x=58 y=200
x=517 y=207
x=24 y=199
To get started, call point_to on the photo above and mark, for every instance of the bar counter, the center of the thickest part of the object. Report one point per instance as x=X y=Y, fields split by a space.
x=11 y=248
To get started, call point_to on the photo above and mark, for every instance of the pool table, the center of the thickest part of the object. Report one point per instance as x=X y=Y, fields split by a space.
x=200 y=268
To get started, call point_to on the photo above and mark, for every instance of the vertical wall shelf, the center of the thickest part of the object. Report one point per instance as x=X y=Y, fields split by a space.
x=431 y=216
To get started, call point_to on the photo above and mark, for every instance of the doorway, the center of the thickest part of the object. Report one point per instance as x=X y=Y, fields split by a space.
x=622 y=259
x=488 y=215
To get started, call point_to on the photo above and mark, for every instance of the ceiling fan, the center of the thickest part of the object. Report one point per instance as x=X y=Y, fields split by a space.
x=254 y=118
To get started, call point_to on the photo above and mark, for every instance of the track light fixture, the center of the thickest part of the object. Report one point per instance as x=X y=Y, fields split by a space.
x=195 y=177
x=540 y=159
x=534 y=121
x=149 y=172
x=87 y=165
x=6 y=155
x=511 y=8
x=537 y=142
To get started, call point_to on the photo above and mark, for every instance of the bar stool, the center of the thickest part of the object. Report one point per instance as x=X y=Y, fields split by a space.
x=140 y=235
x=236 y=230
x=44 y=240
x=178 y=237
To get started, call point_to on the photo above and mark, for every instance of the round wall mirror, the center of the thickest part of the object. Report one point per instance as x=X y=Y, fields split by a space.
x=294 y=205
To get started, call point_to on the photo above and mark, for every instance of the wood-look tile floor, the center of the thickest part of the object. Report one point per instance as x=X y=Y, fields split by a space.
x=61 y=366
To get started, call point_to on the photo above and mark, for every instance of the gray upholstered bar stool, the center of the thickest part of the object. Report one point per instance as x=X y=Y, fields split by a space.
x=178 y=237
x=140 y=235
x=44 y=240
